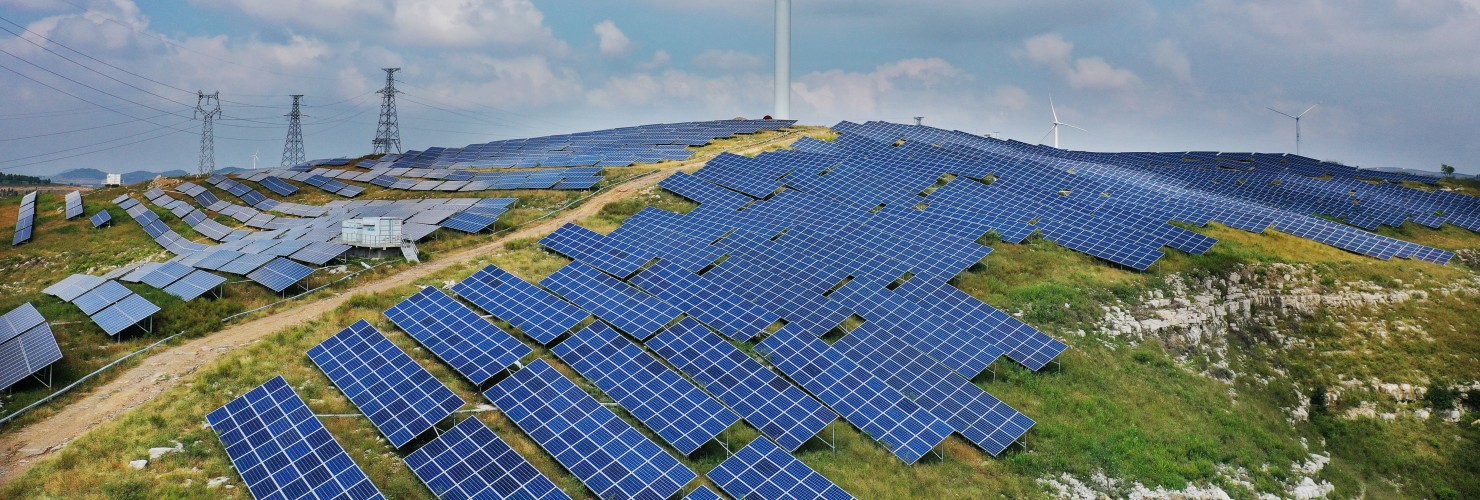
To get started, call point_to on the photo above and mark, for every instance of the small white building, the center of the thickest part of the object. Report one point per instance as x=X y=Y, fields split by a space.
x=113 y=180
x=371 y=232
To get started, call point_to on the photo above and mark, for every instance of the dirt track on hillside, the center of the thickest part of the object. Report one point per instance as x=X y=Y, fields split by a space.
x=20 y=449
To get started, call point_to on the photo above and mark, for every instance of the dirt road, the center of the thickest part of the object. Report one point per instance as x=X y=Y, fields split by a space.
x=22 y=448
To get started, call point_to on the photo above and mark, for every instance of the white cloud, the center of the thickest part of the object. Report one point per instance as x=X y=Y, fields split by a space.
x=661 y=59
x=1170 y=57
x=1052 y=51
x=846 y=93
x=613 y=41
x=728 y=60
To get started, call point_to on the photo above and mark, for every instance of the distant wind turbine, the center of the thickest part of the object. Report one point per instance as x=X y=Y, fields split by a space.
x=254 y=159
x=1056 y=123
x=1297 y=122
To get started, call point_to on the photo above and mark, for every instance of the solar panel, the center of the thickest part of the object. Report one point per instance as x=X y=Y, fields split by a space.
x=470 y=461
x=735 y=316
x=101 y=297
x=779 y=409
x=978 y=416
x=761 y=470
x=280 y=274
x=19 y=320
x=901 y=425
x=590 y=248
x=125 y=313
x=670 y=405
x=74 y=204
x=194 y=285
x=629 y=309
x=73 y=286
x=283 y=451
x=473 y=346
x=398 y=395
x=469 y=222
x=702 y=493
x=166 y=274
x=610 y=457
x=536 y=312
x=27 y=352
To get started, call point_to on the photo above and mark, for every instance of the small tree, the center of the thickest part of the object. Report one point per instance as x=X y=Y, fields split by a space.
x=1447 y=169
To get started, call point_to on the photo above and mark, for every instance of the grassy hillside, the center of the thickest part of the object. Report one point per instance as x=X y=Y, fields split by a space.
x=1250 y=408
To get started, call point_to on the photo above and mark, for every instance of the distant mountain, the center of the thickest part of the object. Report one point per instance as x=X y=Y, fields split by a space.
x=97 y=177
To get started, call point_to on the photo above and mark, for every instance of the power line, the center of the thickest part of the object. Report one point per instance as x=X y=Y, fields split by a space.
x=388 y=132
x=79 y=130
x=84 y=66
x=95 y=89
x=166 y=134
x=68 y=150
x=75 y=51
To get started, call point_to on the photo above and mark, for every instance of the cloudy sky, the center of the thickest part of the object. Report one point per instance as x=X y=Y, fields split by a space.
x=111 y=84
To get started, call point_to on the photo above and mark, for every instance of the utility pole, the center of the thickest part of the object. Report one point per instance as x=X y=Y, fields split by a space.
x=293 y=147
x=388 y=133
x=208 y=109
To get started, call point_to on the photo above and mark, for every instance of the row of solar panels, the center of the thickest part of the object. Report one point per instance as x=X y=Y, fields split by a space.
x=603 y=148
x=109 y=304
x=606 y=454
x=27 y=345
x=275 y=180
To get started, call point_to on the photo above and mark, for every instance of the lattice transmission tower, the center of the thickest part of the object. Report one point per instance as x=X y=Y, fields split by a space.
x=388 y=133
x=293 y=146
x=208 y=109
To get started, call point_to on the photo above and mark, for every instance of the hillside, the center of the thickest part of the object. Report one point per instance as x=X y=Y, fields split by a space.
x=1263 y=363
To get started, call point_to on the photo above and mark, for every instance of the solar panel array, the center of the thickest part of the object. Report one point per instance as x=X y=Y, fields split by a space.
x=608 y=455
x=761 y=470
x=74 y=204
x=398 y=395
x=470 y=461
x=25 y=219
x=602 y=148
x=901 y=425
x=111 y=305
x=668 y=404
x=101 y=218
x=283 y=451
x=777 y=408
x=27 y=344
x=634 y=312
x=534 y=311
x=473 y=346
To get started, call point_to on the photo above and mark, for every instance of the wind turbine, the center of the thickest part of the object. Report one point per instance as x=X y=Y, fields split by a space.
x=254 y=159
x=1297 y=122
x=1056 y=123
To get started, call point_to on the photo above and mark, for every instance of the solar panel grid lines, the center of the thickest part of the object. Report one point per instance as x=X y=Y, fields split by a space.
x=668 y=404
x=127 y=312
x=473 y=346
x=71 y=287
x=398 y=395
x=470 y=461
x=104 y=295
x=780 y=410
x=282 y=450
x=534 y=311
x=978 y=416
x=964 y=351
x=279 y=274
x=28 y=351
x=608 y=455
x=589 y=247
x=902 y=426
x=629 y=309
x=735 y=316
x=194 y=285
x=19 y=320
x=74 y=204
x=702 y=493
x=761 y=470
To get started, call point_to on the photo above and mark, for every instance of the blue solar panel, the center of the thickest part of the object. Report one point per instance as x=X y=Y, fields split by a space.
x=283 y=451
x=101 y=297
x=702 y=493
x=610 y=457
x=473 y=346
x=1024 y=344
x=959 y=349
x=779 y=409
x=166 y=274
x=399 y=396
x=26 y=344
x=100 y=218
x=679 y=412
x=538 y=313
x=735 y=316
x=978 y=416
x=588 y=247
x=636 y=313
x=278 y=186
x=901 y=425
x=761 y=470
x=74 y=204
x=470 y=461
x=194 y=285
x=469 y=222
x=71 y=287
x=280 y=274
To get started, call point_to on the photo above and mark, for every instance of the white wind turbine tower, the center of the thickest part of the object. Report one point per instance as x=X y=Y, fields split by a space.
x=1056 y=124
x=783 y=60
x=254 y=159
x=1297 y=122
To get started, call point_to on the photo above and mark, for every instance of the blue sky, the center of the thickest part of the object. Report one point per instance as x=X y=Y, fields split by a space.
x=1396 y=80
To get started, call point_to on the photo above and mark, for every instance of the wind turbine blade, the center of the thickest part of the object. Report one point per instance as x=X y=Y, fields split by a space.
x=1052 y=109
x=1280 y=112
x=1050 y=131
x=1074 y=127
x=1307 y=110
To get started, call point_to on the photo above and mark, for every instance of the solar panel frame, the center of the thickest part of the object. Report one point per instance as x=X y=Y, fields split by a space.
x=629 y=309
x=761 y=470
x=125 y=313
x=538 y=313
x=99 y=298
x=471 y=461
x=279 y=274
x=282 y=450
x=194 y=285
x=28 y=352
x=396 y=393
